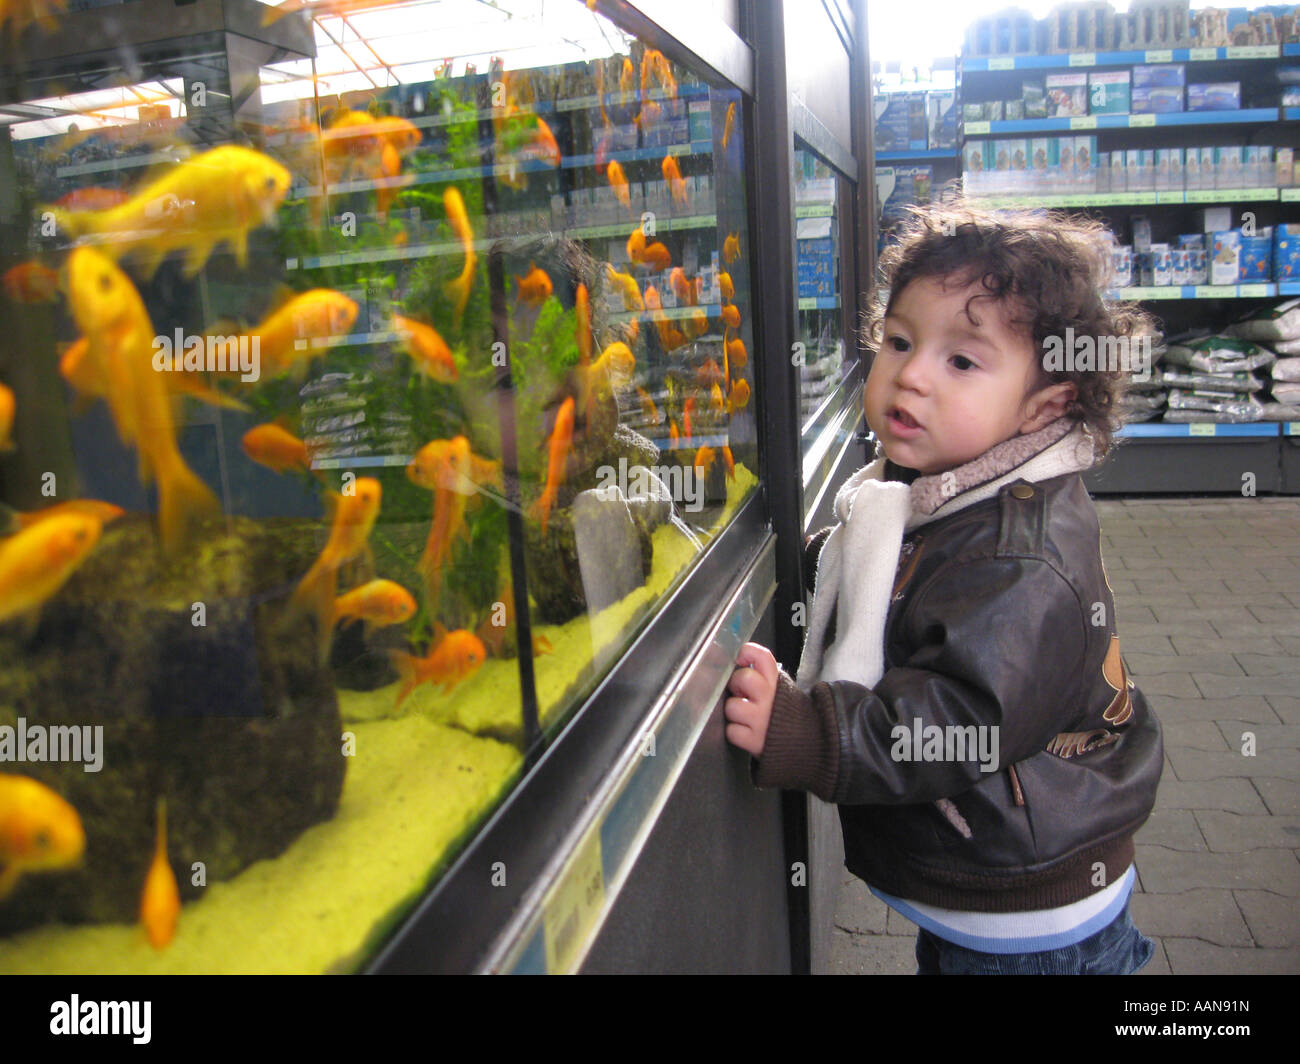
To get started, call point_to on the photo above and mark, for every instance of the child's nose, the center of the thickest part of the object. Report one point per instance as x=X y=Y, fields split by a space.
x=912 y=374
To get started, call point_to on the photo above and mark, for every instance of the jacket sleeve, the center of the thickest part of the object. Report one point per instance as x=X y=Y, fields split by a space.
x=994 y=655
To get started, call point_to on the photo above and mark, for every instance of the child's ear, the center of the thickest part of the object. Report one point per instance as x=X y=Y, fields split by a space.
x=1046 y=405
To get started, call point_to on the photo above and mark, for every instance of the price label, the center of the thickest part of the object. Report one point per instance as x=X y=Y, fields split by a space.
x=1293 y=428
x=1201 y=428
x=1252 y=51
x=1215 y=291
x=1253 y=291
x=1196 y=54
x=1084 y=122
x=571 y=911
x=1160 y=55
x=974 y=128
x=1002 y=62
x=1083 y=59
x=1141 y=120
x=1290 y=195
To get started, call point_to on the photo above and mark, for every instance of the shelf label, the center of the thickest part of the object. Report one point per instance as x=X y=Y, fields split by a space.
x=1160 y=55
x=1250 y=291
x=1251 y=51
x=1215 y=291
x=1289 y=195
x=1084 y=122
x=1141 y=120
x=571 y=911
x=1201 y=428
x=1195 y=54
x=1002 y=62
x=1293 y=428
x=1083 y=59
x=973 y=128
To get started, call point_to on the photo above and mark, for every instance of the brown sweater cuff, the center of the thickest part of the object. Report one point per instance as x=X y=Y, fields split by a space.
x=802 y=748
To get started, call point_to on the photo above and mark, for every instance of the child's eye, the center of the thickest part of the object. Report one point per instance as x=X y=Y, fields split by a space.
x=962 y=363
x=897 y=343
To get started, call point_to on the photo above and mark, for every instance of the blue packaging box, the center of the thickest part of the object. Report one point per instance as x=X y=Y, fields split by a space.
x=1214 y=96
x=1163 y=75
x=1156 y=99
x=1286 y=252
x=1256 y=256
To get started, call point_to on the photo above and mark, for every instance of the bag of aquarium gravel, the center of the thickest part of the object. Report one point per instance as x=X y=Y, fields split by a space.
x=1219 y=354
x=1280 y=323
x=1176 y=376
x=1287 y=392
x=1286 y=369
x=1286 y=347
x=1242 y=408
x=1280 y=412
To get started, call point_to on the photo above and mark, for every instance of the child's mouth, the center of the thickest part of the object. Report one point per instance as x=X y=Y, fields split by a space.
x=901 y=422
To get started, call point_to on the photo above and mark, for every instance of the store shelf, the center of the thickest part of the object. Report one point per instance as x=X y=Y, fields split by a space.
x=1084 y=122
x=1155 y=429
x=1066 y=60
x=902 y=156
x=1137 y=199
x=1203 y=291
x=818 y=302
x=814 y=210
x=1290 y=114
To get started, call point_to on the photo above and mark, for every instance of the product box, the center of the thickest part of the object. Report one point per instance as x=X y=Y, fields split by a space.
x=1284 y=167
x=1122 y=259
x=1191 y=240
x=1108 y=92
x=1141 y=226
x=1067 y=95
x=1258 y=166
x=1118 y=172
x=1169 y=169
x=1043 y=159
x=1214 y=219
x=941 y=118
x=1286 y=252
x=815 y=251
x=1157 y=266
x=1034 y=95
x=1225 y=259
x=1180 y=260
x=1163 y=75
x=1197 y=266
x=1103 y=171
x=994 y=110
x=1085 y=154
x=900 y=121
x=976 y=161
x=1139 y=180
x=1156 y=100
x=1214 y=96
x=1256 y=256
x=1227 y=167
x=1210 y=173
x=1014 y=110
x=1192 y=169
x=972 y=112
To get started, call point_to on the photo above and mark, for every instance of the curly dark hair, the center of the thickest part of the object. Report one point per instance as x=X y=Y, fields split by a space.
x=1050 y=267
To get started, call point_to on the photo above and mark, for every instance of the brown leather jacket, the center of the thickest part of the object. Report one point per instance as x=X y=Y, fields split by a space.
x=1002 y=617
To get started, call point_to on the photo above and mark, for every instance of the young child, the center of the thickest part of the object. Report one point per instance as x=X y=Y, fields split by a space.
x=961 y=694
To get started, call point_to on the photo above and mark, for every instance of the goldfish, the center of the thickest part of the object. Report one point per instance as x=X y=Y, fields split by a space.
x=672 y=434
x=709 y=373
x=22 y=13
x=544 y=142
x=631 y=330
x=30 y=282
x=653 y=303
x=731 y=315
x=627 y=287
x=218 y=196
x=397 y=132
x=626 y=79
x=648 y=409
x=731 y=248
x=299 y=330
x=688 y=408
x=37 y=561
x=636 y=245
x=92 y=199
x=671 y=337
x=697 y=323
x=8 y=407
x=616 y=359
x=684 y=290
x=716 y=402
x=430 y=468
x=104 y=512
x=453 y=658
x=656 y=256
x=557 y=455
x=729 y=462
x=376 y=604
x=39 y=831
x=390 y=166
x=534 y=286
x=655 y=65
x=618 y=182
x=354 y=516
x=704 y=459
x=582 y=311
x=676 y=184
x=160 y=901
x=110 y=313
x=427 y=349
x=276 y=448
x=739 y=395
x=736 y=353
x=442 y=466
x=458 y=289
x=727 y=123
x=725 y=286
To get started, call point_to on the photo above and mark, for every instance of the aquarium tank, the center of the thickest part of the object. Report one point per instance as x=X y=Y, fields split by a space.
x=371 y=372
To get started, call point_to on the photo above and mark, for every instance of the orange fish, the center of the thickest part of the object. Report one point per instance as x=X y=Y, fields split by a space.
x=376 y=604
x=709 y=374
x=300 y=330
x=627 y=79
x=656 y=256
x=458 y=289
x=401 y=135
x=653 y=303
x=731 y=248
x=736 y=353
x=682 y=288
x=671 y=337
x=716 y=402
x=688 y=408
x=30 y=282
x=725 y=285
x=672 y=434
x=390 y=166
x=618 y=182
x=103 y=512
x=697 y=323
x=627 y=287
x=739 y=395
x=631 y=330
x=38 y=561
x=582 y=311
x=636 y=245
x=453 y=658
x=354 y=516
x=443 y=467
x=648 y=409
x=557 y=455
x=92 y=199
x=160 y=901
x=728 y=122
x=545 y=145
x=729 y=462
x=704 y=459
x=731 y=316
x=427 y=349
x=673 y=175
x=8 y=407
x=535 y=286
x=276 y=448
x=39 y=831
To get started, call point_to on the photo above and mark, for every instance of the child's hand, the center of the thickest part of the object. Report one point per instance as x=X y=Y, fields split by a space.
x=753 y=686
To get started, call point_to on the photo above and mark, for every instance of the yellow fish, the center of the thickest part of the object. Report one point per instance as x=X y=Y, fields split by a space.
x=39 y=831
x=300 y=330
x=428 y=350
x=731 y=248
x=739 y=395
x=276 y=448
x=216 y=197
x=38 y=561
x=676 y=184
x=534 y=286
x=377 y=604
x=109 y=312
x=8 y=407
x=557 y=458
x=731 y=315
x=160 y=901
x=86 y=370
x=105 y=512
x=618 y=182
x=727 y=124
x=458 y=289
x=453 y=658
x=725 y=286
x=628 y=289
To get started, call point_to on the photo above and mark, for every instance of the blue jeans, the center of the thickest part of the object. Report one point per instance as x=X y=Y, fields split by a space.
x=1117 y=949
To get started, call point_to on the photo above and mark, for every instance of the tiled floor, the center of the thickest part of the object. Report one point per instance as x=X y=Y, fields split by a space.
x=1208 y=598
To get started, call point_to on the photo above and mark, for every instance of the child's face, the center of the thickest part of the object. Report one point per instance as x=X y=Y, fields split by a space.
x=943 y=390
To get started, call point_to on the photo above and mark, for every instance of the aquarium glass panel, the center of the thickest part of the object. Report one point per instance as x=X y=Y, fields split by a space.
x=350 y=349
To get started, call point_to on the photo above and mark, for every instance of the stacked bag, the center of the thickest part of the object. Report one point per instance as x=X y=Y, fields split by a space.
x=1145 y=397
x=1279 y=329
x=1214 y=378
